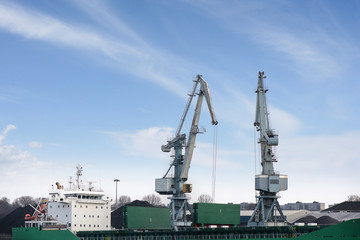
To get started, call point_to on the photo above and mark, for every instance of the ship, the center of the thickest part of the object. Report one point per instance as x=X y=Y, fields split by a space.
x=75 y=213
x=80 y=211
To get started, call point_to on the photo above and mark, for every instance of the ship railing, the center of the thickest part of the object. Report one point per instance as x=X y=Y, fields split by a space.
x=90 y=201
x=196 y=237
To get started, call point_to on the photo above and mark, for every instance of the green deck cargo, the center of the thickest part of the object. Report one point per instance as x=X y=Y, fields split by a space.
x=146 y=218
x=216 y=214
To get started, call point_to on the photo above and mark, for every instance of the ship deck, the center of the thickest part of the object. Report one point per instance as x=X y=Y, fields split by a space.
x=349 y=230
x=202 y=233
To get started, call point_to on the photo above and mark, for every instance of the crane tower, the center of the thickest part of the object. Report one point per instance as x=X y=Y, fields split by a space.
x=267 y=211
x=176 y=185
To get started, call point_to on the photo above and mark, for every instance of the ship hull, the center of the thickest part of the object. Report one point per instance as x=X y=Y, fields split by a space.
x=33 y=233
x=349 y=230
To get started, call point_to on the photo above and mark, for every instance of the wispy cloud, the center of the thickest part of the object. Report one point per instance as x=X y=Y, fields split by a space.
x=310 y=59
x=278 y=27
x=135 y=58
x=102 y=14
x=4 y=132
x=35 y=144
x=148 y=140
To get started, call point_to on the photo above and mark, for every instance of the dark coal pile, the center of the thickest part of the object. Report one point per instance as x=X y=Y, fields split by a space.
x=138 y=203
x=5 y=237
x=117 y=219
x=306 y=219
x=14 y=219
x=326 y=220
x=344 y=207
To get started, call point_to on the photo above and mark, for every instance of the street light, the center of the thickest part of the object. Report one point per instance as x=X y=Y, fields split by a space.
x=116 y=181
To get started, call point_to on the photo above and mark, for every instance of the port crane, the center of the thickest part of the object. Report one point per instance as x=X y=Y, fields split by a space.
x=267 y=211
x=176 y=185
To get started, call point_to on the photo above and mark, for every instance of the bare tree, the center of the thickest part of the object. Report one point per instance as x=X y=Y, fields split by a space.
x=153 y=199
x=123 y=200
x=24 y=201
x=204 y=198
x=5 y=206
x=353 y=198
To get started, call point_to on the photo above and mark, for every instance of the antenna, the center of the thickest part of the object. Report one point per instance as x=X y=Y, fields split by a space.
x=79 y=170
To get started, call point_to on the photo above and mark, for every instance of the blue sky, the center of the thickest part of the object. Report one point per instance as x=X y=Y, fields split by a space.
x=104 y=84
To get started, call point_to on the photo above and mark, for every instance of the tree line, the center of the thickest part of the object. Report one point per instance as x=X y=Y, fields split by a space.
x=155 y=200
x=7 y=207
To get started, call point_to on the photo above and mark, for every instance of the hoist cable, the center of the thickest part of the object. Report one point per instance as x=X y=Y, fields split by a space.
x=215 y=137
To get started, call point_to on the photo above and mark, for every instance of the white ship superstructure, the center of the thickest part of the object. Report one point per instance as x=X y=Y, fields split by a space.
x=80 y=208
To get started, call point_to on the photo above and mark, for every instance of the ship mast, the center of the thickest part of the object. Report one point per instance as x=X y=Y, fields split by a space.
x=79 y=170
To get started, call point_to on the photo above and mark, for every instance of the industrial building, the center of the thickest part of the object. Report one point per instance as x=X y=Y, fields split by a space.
x=314 y=206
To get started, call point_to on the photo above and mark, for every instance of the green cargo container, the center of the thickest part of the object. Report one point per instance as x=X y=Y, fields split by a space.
x=146 y=218
x=216 y=214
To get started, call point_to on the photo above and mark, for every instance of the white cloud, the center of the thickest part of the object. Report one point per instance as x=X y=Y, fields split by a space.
x=18 y=166
x=324 y=152
x=8 y=128
x=146 y=143
x=35 y=145
x=327 y=163
x=143 y=143
x=10 y=154
x=12 y=157
x=284 y=122
x=225 y=158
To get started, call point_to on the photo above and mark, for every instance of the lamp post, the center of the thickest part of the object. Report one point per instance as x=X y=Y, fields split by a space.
x=116 y=181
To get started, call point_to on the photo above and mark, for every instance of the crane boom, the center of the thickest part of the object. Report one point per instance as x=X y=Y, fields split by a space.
x=206 y=92
x=186 y=108
x=189 y=149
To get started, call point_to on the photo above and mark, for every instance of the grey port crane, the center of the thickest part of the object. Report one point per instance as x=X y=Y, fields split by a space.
x=176 y=185
x=268 y=183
